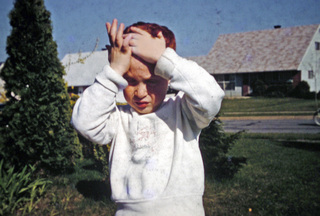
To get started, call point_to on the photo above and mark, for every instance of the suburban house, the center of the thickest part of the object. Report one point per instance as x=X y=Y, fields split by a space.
x=279 y=55
x=82 y=68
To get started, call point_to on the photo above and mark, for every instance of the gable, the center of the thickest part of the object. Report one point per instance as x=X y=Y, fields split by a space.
x=259 y=51
x=312 y=54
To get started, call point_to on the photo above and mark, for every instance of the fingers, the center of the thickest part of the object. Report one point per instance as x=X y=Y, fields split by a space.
x=113 y=31
x=134 y=38
x=138 y=30
x=108 y=26
x=115 y=35
x=126 y=42
x=119 y=38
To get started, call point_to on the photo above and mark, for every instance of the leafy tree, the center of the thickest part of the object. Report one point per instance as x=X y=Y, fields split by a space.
x=214 y=145
x=35 y=123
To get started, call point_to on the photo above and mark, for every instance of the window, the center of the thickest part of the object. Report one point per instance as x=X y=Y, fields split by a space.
x=230 y=86
x=226 y=81
x=310 y=74
x=317 y=45
x=219 y=78
x=230 y=81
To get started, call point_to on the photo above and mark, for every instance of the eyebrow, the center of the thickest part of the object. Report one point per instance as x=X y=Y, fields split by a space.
x=153 y=76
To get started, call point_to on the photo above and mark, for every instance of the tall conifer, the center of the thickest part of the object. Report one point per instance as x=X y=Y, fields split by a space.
x=35 y=123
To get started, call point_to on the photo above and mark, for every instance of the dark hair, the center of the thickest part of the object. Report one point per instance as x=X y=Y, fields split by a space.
x=154 y=29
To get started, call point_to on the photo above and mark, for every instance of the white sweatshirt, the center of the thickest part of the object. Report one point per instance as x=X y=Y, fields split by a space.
x=156 y=166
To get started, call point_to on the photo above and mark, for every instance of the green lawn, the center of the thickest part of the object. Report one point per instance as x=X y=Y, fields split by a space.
x=267 y=106
x=282 y=177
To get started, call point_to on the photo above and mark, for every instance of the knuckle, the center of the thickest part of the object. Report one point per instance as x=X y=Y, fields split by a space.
x=117 y=43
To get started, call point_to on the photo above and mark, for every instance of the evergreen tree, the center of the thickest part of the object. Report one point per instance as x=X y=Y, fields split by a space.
x=35 y=123
x=214 y=145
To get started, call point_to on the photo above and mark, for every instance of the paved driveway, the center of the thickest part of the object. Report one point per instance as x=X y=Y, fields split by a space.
x=271 y=125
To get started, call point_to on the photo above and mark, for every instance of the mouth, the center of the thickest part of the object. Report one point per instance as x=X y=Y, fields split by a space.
x=141 y=104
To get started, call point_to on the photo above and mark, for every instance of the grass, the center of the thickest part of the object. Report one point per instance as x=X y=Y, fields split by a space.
x=82 y=192
x=267 y=106
x=280 y=178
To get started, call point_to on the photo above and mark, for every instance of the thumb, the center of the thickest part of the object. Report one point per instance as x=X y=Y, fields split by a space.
x=162 y=38
x=108 y=47
x=160 y=35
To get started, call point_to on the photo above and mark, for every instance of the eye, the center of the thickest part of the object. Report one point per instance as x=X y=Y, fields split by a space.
x=131 y=81
x=152 y=82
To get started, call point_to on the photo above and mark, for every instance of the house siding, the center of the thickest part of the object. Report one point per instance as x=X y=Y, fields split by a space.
x=243 y=81
x=311 y=62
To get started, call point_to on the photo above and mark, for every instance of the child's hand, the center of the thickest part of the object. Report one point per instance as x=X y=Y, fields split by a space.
x=145 y=46
x=120 y=53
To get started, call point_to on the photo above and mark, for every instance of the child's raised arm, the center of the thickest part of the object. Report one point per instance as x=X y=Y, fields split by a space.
x=120 y=52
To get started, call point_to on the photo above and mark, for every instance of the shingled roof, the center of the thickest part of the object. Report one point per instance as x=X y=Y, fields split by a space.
x=199 y=59
x=278 y=49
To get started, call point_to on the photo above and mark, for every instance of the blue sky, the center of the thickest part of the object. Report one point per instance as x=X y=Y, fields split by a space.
x=77 y=24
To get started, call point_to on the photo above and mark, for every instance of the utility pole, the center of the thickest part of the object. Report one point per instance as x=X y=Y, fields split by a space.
x=317 y=49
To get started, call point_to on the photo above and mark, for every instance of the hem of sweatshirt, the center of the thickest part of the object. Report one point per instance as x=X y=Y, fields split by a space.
x=180 y=205
x=157 y=198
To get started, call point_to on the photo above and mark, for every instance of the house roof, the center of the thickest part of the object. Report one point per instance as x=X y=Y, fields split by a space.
x=278 y=49
x=199 y=59
x=81 y=69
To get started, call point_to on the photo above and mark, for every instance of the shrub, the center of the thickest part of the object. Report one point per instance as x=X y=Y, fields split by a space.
x=99 y=153
x=302 y=90
x=214 y=146
x=259 y=87
x=73 y=99
x=278 y=90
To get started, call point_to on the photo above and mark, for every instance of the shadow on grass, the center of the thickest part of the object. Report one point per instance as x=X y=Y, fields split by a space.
x=94 y=166
x=309 y=124
x=95 y=189
x=309 y=146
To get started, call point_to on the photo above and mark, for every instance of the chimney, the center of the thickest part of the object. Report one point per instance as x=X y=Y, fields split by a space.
x=277 y=26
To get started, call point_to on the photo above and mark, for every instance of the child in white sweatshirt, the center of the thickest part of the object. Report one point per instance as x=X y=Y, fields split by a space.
x=156 y=166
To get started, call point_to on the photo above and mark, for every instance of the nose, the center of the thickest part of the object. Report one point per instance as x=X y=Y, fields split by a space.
x=141 y=90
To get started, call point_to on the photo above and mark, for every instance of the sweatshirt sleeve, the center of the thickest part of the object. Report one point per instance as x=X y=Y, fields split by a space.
x=202 y=95
x=95 y=114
